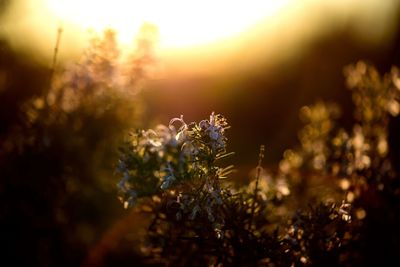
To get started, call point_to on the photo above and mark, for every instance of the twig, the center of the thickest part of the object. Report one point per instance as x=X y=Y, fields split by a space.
x=56 y=47
x=54 y=62
x=259 y=168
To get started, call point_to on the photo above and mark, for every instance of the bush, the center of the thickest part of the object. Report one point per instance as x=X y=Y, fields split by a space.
x=197 y=217
x=56 y=156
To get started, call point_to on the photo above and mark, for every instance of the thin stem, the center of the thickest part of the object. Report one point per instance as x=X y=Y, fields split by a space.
x=54 y=62
x=259 y=168
x=56 y=47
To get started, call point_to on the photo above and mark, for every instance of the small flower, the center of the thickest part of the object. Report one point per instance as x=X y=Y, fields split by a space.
x=167 y=135
x=169 y=178
x=189 y=149
x=344 y=211
x=131 y=199
x=150 y=138
x=167 y=182
x=214 y=128
x=219 y=233
x=181 y=135
x=122 y=184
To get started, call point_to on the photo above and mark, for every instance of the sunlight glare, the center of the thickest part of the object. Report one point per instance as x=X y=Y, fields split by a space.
x=181 y=23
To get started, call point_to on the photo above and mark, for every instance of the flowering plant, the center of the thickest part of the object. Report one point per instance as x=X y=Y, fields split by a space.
x=177 y=161
x=172 y=173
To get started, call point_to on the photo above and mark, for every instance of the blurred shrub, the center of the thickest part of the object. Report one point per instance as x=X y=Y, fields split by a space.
x=57 y=154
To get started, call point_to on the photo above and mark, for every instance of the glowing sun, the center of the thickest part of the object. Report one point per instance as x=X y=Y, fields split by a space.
x=181 y=23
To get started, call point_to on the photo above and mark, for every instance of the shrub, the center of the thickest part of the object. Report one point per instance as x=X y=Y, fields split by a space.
x=57 y=156
x=199 y=218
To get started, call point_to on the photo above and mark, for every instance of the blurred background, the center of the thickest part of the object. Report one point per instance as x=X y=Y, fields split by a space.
x=255 y=62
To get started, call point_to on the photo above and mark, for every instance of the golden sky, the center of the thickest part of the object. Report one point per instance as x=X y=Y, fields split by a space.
x=195 y=33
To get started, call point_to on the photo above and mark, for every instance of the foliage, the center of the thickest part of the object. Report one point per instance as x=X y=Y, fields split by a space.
x=198 y=218
x=57 y=156
x=332 y=201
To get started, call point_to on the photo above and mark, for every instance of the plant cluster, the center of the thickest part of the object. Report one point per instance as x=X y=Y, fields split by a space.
x=199 y=218
x=332 y=201
x=57 y=156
